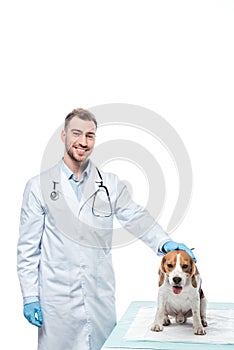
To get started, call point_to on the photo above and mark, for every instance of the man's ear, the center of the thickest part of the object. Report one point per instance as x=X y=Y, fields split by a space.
x=161 y=273
x=63 y=134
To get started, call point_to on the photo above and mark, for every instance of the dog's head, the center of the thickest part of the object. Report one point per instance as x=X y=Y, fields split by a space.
x=179 y=269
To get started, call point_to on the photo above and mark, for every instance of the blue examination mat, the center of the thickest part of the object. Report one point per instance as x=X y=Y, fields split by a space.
x=133 y=330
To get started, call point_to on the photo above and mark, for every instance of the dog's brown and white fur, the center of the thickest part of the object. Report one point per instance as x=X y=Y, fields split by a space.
x=180 y=294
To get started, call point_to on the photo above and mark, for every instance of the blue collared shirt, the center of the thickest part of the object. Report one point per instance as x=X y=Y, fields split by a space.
x=76 y=184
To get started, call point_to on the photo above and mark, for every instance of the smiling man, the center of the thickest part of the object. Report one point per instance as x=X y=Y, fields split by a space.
x=64 y=249
x=79 y=139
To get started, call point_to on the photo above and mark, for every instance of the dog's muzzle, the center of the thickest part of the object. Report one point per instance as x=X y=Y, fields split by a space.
x=176 y=288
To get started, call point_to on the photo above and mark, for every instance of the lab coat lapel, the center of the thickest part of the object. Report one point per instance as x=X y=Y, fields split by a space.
x=69 y=194
x=91 y=186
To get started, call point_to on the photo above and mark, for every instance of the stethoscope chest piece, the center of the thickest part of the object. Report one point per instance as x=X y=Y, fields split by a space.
x=54 y=194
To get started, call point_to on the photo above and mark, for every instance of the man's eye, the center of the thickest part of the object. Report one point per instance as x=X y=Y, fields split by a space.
x=185 y=266
x=75 y=133
x=170 y=266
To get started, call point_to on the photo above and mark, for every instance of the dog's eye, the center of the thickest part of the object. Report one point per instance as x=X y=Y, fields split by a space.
x=185 y=266
x=169 y=265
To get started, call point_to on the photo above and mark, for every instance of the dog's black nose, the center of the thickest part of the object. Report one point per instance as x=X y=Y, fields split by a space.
x=177 y=280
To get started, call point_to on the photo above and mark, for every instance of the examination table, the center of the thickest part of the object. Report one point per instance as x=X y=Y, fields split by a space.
x=133 y=330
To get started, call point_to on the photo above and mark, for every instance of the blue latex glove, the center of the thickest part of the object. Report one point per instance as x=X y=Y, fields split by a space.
x=171 y=245
x=32 y=312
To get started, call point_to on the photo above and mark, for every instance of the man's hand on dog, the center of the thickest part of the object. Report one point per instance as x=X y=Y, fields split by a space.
x=171 y=245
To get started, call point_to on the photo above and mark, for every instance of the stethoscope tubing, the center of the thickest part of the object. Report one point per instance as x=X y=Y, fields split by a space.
x=54 y=195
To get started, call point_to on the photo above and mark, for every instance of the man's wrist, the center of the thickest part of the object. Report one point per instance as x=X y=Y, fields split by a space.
x=32 y=299
x=161 y=249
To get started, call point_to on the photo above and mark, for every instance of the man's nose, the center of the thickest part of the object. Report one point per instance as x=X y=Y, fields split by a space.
x=177 y=280
x=82 y=140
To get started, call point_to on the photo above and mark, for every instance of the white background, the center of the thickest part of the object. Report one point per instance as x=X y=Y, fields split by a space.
x=173 y=57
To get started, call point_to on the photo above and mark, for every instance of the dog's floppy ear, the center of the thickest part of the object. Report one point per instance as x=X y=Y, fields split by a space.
x=194 y=272
x=161 y=277
x=161 y=273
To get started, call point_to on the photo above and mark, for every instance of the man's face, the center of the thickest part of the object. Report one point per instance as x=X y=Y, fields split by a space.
x=79 y=139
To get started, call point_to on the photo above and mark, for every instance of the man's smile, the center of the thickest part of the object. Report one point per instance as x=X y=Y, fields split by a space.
x=80 y=150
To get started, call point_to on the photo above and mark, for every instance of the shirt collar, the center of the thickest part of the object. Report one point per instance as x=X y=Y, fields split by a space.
x=71 y=175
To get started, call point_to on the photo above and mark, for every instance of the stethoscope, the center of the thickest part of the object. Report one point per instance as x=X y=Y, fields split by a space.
x=54 y=195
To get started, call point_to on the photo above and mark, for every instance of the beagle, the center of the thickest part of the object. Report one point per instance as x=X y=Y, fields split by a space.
x=180 y=294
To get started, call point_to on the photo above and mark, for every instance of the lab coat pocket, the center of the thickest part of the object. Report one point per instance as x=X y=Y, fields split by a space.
x=55 y=281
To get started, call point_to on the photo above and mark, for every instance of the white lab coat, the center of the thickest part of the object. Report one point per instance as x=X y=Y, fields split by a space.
x=64 y=256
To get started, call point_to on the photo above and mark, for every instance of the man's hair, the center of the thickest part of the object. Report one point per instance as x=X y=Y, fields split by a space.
x=81 y=113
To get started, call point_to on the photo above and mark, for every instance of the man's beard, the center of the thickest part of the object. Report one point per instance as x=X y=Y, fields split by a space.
x=73 y=155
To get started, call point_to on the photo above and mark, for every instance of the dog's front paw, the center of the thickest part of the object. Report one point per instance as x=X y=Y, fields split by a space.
x=156 y=327
x=204 y=323
x=199 y=330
